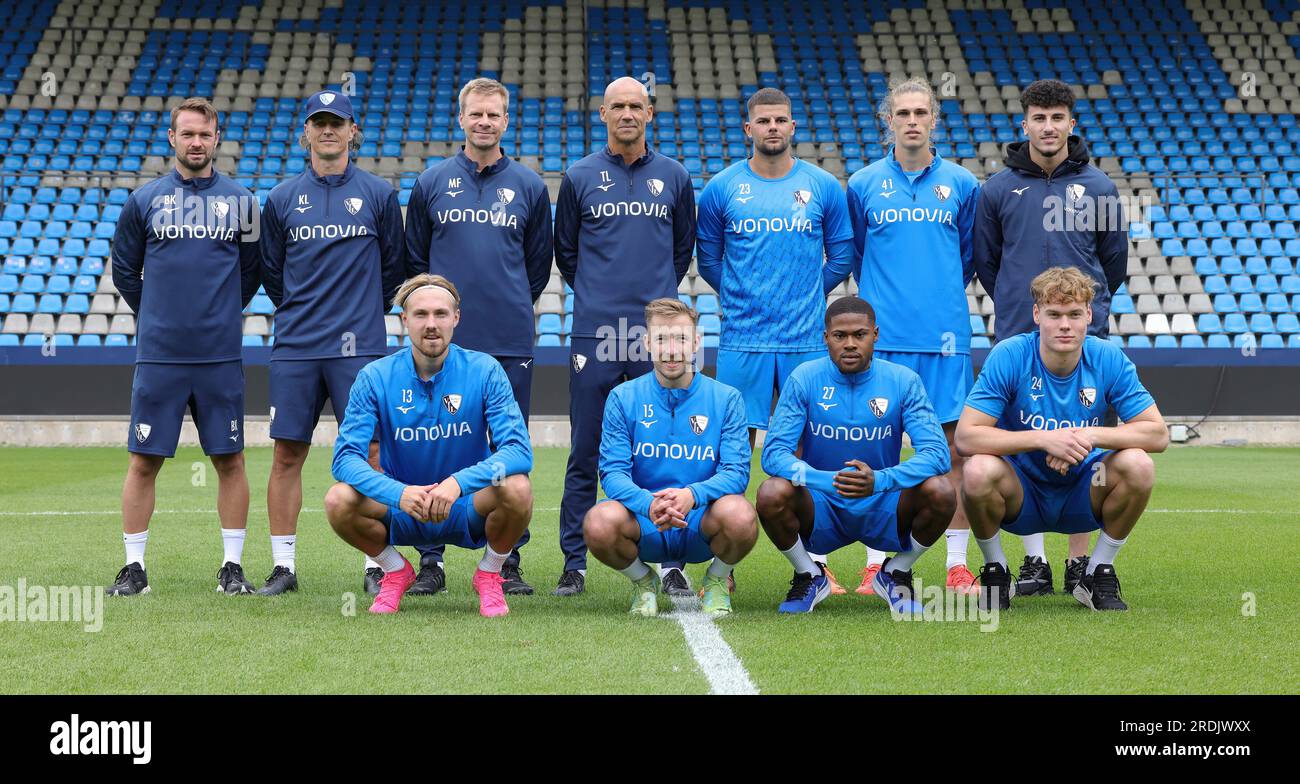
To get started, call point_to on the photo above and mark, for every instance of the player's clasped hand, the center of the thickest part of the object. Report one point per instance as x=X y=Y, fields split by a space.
x=415 y=501
x=1068 y=444
x=857 y=481
x=1058 y=465
x=670 y=507
x=441 y=497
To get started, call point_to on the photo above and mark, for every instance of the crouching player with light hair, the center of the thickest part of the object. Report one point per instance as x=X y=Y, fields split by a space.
x=453 y=448
x=674 y=461
x=1039 y=458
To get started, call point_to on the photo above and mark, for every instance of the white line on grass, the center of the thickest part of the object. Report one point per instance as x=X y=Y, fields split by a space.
x=720 y=665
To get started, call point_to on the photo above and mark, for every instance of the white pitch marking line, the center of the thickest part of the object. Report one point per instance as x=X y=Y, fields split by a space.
x=720 y=665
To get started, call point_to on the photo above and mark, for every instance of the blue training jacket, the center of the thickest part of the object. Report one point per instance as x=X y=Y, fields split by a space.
x=489 y=233
x=836 y=417
x=1028 y=220
x=185 y=258
x=653 y=437
x=430 y=430
x=913 y=241
x=333 y=257
x=773 y=249
x=624 y=235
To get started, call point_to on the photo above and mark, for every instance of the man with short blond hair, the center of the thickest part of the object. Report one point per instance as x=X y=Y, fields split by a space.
x=484 y=221
x=674 y=462
x=1039 y=458
x=454 y=453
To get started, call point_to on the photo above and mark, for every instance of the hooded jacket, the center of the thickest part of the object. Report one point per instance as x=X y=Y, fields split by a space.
x=1027 y=220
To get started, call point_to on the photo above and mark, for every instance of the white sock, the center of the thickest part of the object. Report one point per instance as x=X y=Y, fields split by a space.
x=492 y=561
x=719 y=568
x=282 y=550
x=135 y=547
x=817 y=559
x=992 y=550
x=799 y=557
x=233 y=540
x=1104 y=551
x=1034 y=546
x=957 y=540
x=635 y=570
x=390 y=560
x=876 y=557
x=371 y=563
x=902 y=562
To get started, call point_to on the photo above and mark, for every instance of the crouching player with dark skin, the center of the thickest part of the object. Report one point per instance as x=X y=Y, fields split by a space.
x=453 y=448
x=1038 y=457
x=832 y=452
x=674 y=461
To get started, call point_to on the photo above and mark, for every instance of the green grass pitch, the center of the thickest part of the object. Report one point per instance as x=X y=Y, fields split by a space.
x=1210 y=574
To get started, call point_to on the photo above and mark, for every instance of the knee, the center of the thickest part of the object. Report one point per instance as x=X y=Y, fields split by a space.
x=600 y=525
x=937 y=494
x=774 y=494
x=980 y=474
x=228 y=466
x=289 y=456
x=1135 y=468
x=736 y=517
x=515 y=496
x=144 y=466
x=341 y=501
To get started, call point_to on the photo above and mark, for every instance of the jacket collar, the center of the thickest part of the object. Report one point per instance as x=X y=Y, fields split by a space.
x=198 y=183
x=466 y=163
x=674 y=397
x=330 y=179
x=610 y=155
x=408 y=362
x=853 y=378
x=898 y=167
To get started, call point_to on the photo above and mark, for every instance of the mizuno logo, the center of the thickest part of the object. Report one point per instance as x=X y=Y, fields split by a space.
x=743 y=199
x=1019 y=191
x=887 y=194
x=827 y=406
x=1035 y=397
x=303 y=209
x=606 y=186
x=234 y=438
x=405 y=409
x=454 y=194
x=648 y=423
x=525 y=364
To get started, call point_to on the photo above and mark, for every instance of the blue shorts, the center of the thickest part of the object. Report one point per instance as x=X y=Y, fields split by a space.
x=299 y=388
x=212 y=391
x=464 y=527
x=756 y=374
x=947 y=379
x=676 y=544
x=1062 y=509
x=872 y=521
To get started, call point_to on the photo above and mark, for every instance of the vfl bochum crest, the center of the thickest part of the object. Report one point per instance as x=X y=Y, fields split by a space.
x=451 y=403
x=505 y=196
x=1076 y=192
x=698 y=423
x=579 y=362
x=802 y=198
x=1088 y=396
x=943 y=192
x=220 y=209
x=142 y=431
x=656 y=186
x=353 y=205
x=879 y=405
x=327 y=98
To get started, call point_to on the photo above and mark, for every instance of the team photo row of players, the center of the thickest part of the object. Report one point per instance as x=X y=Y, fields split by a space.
x=433 y=444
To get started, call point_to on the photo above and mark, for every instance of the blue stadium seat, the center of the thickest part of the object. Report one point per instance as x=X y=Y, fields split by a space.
x=115 y=340
x=1219 y=340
